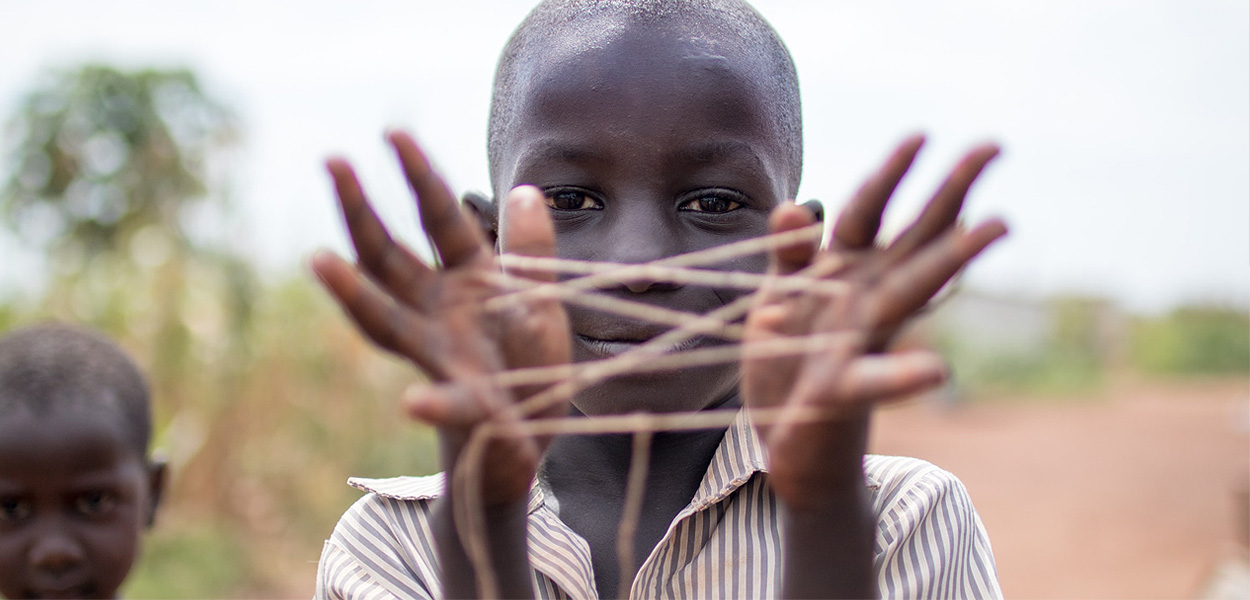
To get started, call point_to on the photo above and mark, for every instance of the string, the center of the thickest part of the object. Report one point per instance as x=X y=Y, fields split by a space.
x=665 y=352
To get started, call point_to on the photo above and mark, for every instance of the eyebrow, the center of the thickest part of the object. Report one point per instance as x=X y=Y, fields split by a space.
x=714 y=150
x=554 y=149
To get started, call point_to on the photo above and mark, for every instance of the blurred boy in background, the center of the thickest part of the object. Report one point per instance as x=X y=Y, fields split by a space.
x=77 y=489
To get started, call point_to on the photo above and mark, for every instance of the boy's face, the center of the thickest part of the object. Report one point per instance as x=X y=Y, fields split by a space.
x=75 y=498
x=651 y=145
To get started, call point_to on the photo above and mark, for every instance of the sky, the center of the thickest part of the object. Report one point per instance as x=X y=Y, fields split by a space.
x=1125 y=126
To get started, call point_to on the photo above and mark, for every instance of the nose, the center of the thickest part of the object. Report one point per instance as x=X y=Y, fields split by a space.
x=641 y=233
x=645 y=253
x=640 y=285
x=55 y=551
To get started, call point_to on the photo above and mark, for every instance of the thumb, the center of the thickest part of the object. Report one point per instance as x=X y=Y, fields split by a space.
x=526 y=229
x=789 y=258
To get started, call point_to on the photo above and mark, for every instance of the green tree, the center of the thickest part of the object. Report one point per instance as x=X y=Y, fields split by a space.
x=1193 y=340
x=108 y=170
x=101 y=154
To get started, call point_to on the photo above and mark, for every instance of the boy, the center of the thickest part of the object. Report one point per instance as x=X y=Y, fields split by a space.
x=77 y=490
x=630 y=131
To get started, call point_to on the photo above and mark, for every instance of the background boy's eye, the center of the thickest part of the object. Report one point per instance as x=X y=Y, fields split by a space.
x=95 y=503
x=571 y=200
x=711 y=204
x=13 y=509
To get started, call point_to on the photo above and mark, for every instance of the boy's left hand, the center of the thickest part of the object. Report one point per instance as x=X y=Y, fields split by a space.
x=812 y=461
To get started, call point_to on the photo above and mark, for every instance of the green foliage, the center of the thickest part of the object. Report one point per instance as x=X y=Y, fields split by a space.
x=205 y=561
x=1071 y=357
x=1088 y=338
x=100 y=155
x=1193 y=341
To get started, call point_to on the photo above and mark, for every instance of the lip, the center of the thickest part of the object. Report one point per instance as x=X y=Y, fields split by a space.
x=608 y=348
x=600 y=335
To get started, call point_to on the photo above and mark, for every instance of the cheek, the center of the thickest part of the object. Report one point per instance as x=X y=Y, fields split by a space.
x=10 y=565
x=571 y=243
x=755 y=263
x=113 y=548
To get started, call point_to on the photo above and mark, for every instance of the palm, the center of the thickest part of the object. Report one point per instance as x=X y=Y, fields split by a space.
x=812 y=407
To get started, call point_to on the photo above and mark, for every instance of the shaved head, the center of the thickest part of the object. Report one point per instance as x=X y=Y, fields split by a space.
x=561 y=30
x=54 y=367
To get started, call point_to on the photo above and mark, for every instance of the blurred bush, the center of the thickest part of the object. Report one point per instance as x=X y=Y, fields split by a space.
x=1002 y=347
x=1195 y=340
x=998 y=344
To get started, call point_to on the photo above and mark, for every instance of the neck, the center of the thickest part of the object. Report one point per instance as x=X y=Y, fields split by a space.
x=675 y=457
x=589 y=475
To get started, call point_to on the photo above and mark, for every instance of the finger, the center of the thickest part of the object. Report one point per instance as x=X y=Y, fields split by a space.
x=788 y=258
x=384 y=322
x=816 y=207
x=766 y=381
x=455 y=237
x=538 y=333
x=857 y=226
x=527 y=229
x=883 y=377
x=943 y=209
x=907 y=287
x=446 y=406
x=391 y=265
x=778 y=312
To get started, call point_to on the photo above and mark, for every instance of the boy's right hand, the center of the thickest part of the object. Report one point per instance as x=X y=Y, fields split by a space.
x=435 y=319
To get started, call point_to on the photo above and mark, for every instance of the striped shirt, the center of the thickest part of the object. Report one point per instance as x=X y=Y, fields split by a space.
x=726 y=543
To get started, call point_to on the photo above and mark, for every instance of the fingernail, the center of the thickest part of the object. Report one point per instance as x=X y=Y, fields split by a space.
x=527 y=196
x=1000 y=227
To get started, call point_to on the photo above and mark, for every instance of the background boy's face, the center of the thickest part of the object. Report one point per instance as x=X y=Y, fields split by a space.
x=653 y=144
x=75 y=498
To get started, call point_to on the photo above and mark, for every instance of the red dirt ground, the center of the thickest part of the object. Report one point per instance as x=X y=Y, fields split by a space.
x=1128 y=494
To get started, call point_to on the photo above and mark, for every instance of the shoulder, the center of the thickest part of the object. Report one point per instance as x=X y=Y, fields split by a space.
x=930 y=540
x=391 y=513
x=401 y=488
x=894 y=477
x=383 y=542
x=907 y=491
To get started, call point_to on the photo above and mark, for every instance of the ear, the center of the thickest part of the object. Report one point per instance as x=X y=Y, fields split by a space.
x=487 y=215
x=156 y=487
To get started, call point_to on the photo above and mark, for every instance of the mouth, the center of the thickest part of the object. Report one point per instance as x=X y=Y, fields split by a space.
x=83 y=590
x=608 y=348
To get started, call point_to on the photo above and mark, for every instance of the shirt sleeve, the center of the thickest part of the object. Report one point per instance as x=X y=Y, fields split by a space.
x=930 y=541
x=381 y=548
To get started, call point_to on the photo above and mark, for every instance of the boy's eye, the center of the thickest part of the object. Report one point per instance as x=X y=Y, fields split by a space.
x=572 y=200
x=94 y=504
x=710 y=203
x=13 y=509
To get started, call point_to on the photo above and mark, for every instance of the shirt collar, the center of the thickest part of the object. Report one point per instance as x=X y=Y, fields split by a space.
x=739 y=456
x=429 y=487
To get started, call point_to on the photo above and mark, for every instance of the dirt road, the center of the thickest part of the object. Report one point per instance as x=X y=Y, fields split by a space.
x=1128 y=494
